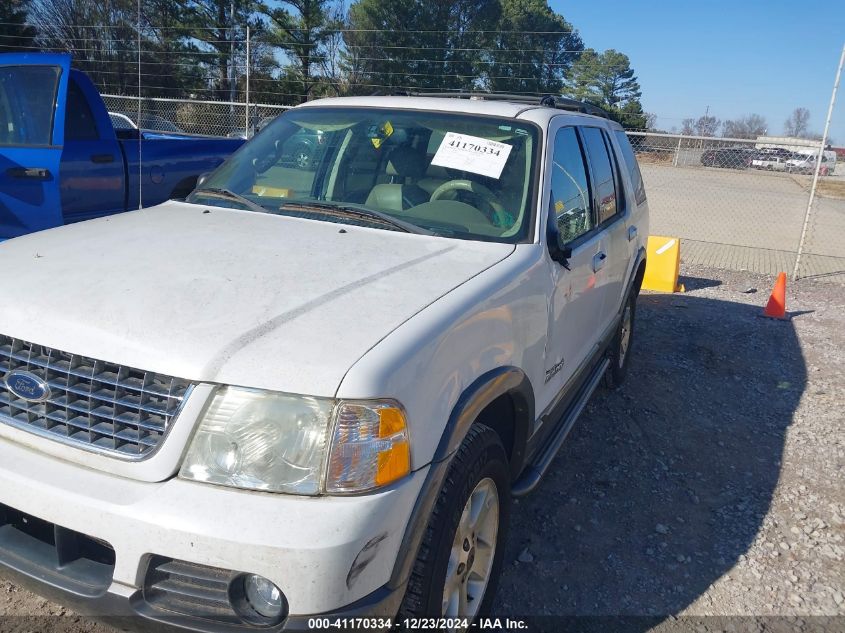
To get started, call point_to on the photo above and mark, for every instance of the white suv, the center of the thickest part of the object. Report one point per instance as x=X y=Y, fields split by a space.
x=309 y=394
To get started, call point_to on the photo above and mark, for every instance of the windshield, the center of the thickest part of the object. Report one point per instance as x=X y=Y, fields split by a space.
x=454 y=175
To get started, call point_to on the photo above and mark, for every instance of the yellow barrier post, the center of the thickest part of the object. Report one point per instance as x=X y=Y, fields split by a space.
x=663 y=264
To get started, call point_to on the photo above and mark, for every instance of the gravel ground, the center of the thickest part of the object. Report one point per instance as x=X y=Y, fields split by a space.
x=711 y=484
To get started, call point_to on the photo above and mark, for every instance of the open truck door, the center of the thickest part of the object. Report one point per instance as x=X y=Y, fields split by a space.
x=32 y=120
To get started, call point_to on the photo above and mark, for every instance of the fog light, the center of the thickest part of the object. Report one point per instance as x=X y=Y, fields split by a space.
x=259 y=601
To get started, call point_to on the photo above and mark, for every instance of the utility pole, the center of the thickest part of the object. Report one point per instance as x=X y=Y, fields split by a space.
x=819 y=163
x=246 y=125
x=232 y=73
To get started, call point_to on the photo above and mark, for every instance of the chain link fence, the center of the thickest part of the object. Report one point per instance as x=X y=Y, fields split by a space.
x=210 y=118
x=740 y=204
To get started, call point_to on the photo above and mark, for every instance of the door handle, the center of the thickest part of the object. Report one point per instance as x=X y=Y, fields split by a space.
x=29 y=173
x=102 y=158
x=632 y=232
x=598 y=261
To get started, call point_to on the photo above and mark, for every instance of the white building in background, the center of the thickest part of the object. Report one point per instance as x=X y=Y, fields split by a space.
x=792 y=143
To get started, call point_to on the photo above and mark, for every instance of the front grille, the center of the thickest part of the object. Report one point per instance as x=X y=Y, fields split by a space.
x=99 y=405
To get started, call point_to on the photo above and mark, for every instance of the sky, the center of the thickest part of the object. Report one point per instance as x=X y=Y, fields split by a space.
x=738 y=58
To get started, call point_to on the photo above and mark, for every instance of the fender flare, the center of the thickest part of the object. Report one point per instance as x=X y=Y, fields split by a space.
x=484 y=390
x=632 y=276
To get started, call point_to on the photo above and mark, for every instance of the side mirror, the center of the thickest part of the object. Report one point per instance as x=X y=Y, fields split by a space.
x=558 y=251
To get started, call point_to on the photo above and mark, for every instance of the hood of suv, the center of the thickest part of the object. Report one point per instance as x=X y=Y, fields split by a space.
x=234 y=297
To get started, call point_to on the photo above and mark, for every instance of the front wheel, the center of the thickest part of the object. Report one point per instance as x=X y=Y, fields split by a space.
x=620 y=348
x=458 y=565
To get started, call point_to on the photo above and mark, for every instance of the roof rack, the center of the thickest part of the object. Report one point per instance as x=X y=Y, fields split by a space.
x=548 y=101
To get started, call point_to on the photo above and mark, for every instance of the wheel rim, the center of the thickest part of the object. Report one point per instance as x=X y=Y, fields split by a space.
x=302 y=159
x=473 y=549
x=625 y=335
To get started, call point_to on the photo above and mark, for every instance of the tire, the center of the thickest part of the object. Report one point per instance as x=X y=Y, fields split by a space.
x=479 y=468
x=619 y=352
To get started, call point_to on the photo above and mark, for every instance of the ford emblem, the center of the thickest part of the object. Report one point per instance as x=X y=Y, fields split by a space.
x=27 y=386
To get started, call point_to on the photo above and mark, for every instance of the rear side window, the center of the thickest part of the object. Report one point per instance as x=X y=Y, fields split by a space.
x=570 y=192
x=604 y=182
x=79 y=120
x=27 y=97
x=632 y=166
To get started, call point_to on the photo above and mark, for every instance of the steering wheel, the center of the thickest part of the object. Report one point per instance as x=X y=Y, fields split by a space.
x=501 y=216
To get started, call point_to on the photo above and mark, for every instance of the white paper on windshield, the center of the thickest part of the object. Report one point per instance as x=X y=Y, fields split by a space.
x=472 y=153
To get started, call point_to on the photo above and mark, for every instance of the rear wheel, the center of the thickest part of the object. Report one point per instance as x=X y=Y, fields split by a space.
x=620 y=347
x=457 y=568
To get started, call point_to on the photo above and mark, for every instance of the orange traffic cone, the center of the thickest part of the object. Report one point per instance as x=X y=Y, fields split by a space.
x=776 y=307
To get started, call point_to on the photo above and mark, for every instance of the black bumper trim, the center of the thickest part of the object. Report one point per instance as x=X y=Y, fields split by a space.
x=134 y=614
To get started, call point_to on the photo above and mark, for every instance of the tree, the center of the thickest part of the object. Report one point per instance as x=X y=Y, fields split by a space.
x=219 y=25
x=630 y=116
x=688 y=127
x=302 y=30
x=101 y=38
x=607 y=79
x=417 y=44
x=532 y=51
x=750 y=126
x=707 y=126
x=604 y=78
x=16 y=34
x=797 y=123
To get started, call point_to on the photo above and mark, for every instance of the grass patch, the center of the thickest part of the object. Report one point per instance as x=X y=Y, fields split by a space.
x=831 y=188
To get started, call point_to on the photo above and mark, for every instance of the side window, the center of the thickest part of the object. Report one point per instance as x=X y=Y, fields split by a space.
x=27 y=97
x=631 y=163
x=570 y=192
x=79 y=120
x=603 y=181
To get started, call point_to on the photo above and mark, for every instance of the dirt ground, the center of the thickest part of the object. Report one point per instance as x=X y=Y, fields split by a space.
x=705 y=495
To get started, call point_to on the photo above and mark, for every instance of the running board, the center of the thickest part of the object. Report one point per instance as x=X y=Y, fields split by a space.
x=534 y=472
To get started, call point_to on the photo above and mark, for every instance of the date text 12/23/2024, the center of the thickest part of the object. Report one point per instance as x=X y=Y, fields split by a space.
x=416 y=624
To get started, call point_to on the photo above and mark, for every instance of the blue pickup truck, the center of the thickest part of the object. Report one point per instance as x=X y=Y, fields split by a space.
x=62 y=161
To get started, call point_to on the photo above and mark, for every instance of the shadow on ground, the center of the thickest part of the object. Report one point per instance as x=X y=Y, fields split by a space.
x=662 y=485
x=697 y=283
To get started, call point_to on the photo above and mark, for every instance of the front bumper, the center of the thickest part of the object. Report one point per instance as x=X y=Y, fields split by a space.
x=311 y=548
x=127 y=611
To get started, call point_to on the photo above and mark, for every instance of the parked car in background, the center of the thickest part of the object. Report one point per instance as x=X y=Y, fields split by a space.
x=151 y=122
x=732 y=157
x=780 y=152
x=802 y=163
x=62 y=160
x=240 y=132
x=301 y=152
x=304 y=397
x=769 y=162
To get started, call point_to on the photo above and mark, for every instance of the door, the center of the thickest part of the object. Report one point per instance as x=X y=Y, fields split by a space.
x=575 y=302
x=611 y=205
x=92 y=178
x=31 y=137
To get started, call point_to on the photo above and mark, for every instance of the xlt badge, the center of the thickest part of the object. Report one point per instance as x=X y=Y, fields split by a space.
x=551 y=371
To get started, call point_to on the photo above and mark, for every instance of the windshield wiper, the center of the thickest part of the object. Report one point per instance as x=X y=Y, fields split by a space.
x=360 y=212
x=230 y=195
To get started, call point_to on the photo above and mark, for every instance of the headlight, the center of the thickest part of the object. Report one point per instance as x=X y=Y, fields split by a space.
x=278 y=442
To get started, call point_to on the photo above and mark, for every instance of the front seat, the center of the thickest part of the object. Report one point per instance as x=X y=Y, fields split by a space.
x=405 y=163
